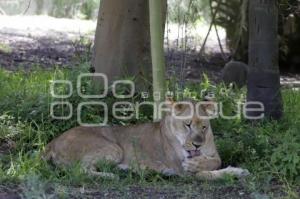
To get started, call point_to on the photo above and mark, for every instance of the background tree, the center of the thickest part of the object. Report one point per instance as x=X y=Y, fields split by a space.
x=39 y=7
x=233 y=17
x=122 y=42
x=263 y=76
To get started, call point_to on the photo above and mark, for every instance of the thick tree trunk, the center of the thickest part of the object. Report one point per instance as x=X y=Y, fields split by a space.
x=263 y=76
x=122 y=43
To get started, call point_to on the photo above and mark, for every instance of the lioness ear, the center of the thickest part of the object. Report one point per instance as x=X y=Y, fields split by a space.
x=172 y=104
x=209 y=106
x=170 y=100
x=169 y=103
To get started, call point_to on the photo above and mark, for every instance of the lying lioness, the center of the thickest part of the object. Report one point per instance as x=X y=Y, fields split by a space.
x=174 y=146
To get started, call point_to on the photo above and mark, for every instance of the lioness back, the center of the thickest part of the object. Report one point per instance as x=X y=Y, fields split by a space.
x=125 y=145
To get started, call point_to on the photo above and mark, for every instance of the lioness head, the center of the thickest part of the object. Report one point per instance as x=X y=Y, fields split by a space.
x=190 y=124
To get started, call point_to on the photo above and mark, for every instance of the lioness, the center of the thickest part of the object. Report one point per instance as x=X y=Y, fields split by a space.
x=173 y=146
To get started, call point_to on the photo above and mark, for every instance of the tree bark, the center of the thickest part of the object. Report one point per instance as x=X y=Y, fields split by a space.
x=263 y=76
x=122 y=42
x=39 y=7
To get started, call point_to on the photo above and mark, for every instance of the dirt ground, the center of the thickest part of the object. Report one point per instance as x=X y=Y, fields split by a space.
x=48 y=42
x=196 y=191
x=26 y=51
x=170 y=192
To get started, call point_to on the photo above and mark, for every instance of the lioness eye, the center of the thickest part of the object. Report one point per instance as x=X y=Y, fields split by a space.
x=204 y=128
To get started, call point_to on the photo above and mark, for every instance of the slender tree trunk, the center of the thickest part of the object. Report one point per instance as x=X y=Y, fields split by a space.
x=264 y=77
x=2 y=12
x=157 y=47
x=122 y=42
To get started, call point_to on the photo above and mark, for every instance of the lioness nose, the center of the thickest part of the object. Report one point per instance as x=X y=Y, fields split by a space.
x=196 y=145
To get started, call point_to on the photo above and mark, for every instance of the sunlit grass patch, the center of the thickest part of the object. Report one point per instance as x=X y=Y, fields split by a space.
x=4 y=48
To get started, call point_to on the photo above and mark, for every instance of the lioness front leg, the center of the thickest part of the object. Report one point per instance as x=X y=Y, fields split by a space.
x=201 y=163
x=208 y=168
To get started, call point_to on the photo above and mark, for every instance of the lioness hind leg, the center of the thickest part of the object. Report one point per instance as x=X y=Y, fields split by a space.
x=112 y=154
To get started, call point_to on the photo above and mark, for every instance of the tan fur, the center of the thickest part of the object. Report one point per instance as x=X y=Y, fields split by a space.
x=161 y=146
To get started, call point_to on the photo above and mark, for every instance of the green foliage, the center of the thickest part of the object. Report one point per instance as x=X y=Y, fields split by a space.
x=188 y=11
x=286 y=156
x=89 y=8
x=269 y=149
x=84 y=9
x=71 y=8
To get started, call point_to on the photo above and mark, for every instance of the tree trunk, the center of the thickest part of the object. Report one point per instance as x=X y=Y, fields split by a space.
x=122 y=42
x=157 y=48
x=263 y=76
x=39 y=7
x=2 y=12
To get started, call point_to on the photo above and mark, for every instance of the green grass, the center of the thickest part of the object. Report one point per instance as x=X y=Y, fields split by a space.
x=5 y=48
x=270 y=149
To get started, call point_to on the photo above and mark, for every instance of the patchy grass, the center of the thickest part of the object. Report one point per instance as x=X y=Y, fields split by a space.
x=270 y=149
x=4 y=48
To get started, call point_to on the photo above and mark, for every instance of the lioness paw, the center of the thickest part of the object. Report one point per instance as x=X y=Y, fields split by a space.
x=190 y=165
x=238 y=172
